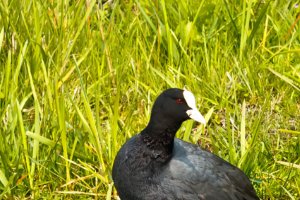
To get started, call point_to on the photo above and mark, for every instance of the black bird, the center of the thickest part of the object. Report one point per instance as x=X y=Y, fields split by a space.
x=153 y=165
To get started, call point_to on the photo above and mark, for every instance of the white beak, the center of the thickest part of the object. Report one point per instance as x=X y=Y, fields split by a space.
x=193 y=113
x=196 y=115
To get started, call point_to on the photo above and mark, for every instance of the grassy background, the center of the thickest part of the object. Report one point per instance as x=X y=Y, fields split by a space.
x=78 y=78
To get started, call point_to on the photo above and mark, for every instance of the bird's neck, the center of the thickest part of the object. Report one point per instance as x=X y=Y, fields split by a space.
x=159 y=136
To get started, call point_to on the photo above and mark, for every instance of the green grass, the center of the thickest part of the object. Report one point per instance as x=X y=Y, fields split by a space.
x=78 y=78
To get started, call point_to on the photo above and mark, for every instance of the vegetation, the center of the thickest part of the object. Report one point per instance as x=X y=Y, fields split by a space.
x=78 y=78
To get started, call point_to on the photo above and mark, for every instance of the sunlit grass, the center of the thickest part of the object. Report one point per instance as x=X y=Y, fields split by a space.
x=78 y=78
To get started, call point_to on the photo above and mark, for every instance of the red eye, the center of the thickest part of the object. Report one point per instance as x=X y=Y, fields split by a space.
x=179 y=101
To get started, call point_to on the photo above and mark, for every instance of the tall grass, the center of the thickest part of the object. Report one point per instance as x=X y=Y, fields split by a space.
x=78 y=78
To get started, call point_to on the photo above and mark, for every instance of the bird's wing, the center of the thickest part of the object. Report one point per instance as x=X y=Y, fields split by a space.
x=204 y=175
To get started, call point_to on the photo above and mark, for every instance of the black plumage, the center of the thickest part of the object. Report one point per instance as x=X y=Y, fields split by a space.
x=154 y=166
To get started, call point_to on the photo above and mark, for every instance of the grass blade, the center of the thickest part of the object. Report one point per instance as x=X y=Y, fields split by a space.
x=243 y=130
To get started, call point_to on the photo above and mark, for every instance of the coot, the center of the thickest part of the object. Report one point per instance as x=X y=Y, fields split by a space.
x=153 y=165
